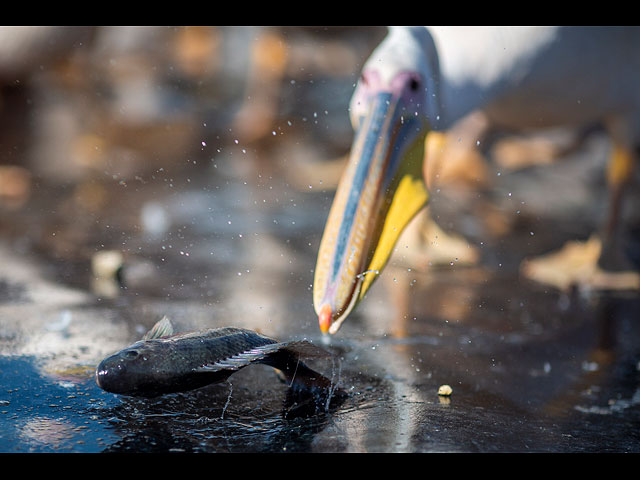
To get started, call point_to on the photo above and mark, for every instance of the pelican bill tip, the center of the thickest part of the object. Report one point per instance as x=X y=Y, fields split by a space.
x=324 y=318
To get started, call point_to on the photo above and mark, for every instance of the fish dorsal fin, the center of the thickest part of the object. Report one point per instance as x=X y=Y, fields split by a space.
x=162 y=328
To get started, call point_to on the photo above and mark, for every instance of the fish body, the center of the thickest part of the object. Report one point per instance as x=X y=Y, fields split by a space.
x=163 y=362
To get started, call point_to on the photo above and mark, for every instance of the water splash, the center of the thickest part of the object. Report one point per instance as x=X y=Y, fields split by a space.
x=226 y=404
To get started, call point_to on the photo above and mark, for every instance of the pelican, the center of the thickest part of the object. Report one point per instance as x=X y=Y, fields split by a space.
x=423 y=79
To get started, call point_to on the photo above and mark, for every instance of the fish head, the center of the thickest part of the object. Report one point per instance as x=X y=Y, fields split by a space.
x=138 y=370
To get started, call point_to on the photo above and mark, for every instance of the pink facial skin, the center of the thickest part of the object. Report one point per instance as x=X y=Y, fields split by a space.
x=407 y=86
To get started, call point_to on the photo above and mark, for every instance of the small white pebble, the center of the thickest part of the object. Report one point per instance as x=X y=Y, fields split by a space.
x=445 y=390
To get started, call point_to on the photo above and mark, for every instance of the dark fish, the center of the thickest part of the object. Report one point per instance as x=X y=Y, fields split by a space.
x=164 y=362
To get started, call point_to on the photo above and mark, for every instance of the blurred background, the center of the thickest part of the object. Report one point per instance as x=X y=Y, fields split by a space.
x=140 y=142
x=99 y=123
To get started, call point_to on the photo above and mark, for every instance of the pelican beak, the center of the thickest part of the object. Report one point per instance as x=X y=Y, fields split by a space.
x=381 y=190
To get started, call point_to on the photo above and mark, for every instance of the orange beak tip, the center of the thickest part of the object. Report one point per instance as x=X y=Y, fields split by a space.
x=324 y=318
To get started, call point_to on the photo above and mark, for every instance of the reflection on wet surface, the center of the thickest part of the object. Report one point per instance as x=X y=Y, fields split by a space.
x=566 y=381
x=225 y=233
x=558 y=374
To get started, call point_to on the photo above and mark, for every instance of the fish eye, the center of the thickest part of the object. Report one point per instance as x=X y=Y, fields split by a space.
x=414 y=84
x=131 y=353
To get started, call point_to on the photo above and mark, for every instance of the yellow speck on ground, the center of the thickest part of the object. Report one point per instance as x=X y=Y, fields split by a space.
x=445 y=390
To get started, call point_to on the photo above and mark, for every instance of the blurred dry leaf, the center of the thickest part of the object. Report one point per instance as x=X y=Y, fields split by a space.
x=15 y=185
x=89 y=150
x=269 y=54
x=453 y=157
x=90 y=196
x=576 y=264
x=518 y=153
x=443 y=248
x=269 y=57
x=424 y=243
x=196 y=50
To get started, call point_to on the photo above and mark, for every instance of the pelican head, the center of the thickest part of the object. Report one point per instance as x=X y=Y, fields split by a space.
x=382 y=187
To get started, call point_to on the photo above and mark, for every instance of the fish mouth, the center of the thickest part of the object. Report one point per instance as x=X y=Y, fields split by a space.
x=98 y=377
x=103 y=376
x=110 y=375
x=381 y=189
x=112 y=379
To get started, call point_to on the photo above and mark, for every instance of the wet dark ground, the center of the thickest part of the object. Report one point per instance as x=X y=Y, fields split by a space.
x=227 y=236
x=532 y=370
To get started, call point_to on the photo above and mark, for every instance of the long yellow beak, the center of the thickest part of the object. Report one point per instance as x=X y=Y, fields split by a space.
x=381 y=190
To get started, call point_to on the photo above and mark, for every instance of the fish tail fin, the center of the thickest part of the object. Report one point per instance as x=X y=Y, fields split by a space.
x=287 y=360
x=308 y=391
